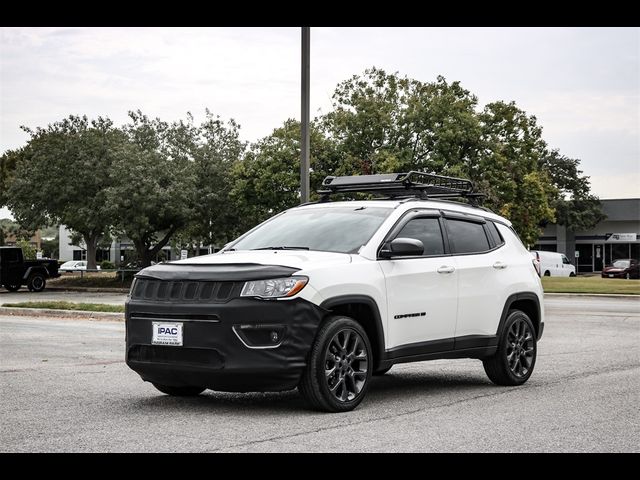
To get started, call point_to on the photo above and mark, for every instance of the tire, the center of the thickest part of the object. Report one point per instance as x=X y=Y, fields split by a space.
x=572 y=274
x=12 y=288
x=180 y=391
x=517 y=330
x=547 y=273
x=36 y=282
x=342 y=347
x=382 y=371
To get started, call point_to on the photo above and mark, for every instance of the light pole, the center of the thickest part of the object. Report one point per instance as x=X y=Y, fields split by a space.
x=304 y=120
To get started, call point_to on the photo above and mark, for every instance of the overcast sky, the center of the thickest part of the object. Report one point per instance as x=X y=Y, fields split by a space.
x=583 y=84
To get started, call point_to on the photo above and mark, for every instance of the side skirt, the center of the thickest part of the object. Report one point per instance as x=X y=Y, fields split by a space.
x=470 y=346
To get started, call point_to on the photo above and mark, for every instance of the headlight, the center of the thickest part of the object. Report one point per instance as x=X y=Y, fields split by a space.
x=274 y=287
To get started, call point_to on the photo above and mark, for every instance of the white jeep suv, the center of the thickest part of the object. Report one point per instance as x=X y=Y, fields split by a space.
x=325 y=295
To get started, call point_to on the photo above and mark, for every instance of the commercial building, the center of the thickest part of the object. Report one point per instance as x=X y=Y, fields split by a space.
x=618 y=236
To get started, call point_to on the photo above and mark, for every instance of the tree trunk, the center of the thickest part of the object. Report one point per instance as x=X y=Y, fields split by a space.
x=92 y=244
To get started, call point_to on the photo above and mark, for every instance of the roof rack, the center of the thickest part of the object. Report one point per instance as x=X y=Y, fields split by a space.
x=399 y=185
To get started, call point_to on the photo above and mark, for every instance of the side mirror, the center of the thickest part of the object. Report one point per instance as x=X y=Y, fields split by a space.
x=402 y=247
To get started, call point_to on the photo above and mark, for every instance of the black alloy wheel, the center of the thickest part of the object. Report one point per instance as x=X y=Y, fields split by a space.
x=520 y=348
x=338 y=369
x=346 y=365
x=515 y=358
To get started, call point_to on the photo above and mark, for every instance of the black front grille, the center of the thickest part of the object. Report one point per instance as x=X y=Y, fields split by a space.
x=176 y=355
x=185 y=291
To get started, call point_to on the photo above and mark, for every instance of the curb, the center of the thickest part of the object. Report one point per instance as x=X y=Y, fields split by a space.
x=609 y=295
x=48 y=312
x=86 y=289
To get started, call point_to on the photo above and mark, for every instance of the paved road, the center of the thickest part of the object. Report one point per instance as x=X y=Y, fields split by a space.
x=24 y=295
x=64 y=387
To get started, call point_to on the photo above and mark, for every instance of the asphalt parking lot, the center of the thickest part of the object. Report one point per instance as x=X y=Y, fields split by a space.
x=64 y=387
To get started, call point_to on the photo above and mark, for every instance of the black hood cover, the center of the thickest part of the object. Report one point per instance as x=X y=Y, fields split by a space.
x=222 y=272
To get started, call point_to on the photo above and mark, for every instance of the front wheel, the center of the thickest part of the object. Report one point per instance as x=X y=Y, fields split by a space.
x=36 y=282
x=12 y=288
x=179 y=391
x=547 y=273
x=572 y=274
x=338 y=369
x=515 y=358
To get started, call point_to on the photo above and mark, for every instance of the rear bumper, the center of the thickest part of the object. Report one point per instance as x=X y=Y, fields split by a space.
x=614 y=275
x=219 y=350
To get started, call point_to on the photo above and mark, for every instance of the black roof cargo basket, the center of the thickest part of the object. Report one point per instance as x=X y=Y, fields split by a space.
x=395 y=185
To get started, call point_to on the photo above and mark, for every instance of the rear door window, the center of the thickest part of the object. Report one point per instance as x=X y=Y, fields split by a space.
x=467 y=237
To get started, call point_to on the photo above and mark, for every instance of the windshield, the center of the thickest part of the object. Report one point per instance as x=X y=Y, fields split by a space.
x=329 y=229
x=621 y=264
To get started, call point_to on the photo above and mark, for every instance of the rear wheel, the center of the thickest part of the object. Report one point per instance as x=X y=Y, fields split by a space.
x=12 y=288
x=36 y=282
x=515 y=358
x=547 y=273
x=179 y=391
x=572 y=274
x=338 y=369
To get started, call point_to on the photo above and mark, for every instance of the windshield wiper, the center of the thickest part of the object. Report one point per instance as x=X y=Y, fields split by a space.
x=283 y=247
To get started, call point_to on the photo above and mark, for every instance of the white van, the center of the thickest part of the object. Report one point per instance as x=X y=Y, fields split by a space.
x=553 y=264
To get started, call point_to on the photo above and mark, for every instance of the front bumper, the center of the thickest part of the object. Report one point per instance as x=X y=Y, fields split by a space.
x=213 y=355
x=614 y=274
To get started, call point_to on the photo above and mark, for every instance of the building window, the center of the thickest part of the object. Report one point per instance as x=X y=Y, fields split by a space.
x=79 y=254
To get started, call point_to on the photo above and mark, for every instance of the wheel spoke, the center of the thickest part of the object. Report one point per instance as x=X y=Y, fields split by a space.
x=346 y=335
x=336 y=385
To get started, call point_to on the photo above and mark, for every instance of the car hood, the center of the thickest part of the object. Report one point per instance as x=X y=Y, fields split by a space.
x=244 y=265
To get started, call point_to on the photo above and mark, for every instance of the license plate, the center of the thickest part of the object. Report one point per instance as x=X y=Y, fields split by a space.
x=165 y=333
x=610 y=276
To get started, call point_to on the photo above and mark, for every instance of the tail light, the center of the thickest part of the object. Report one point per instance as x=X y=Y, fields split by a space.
x=536 y=264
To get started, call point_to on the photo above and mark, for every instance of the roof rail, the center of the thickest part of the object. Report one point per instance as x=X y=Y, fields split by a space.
x=397 y=185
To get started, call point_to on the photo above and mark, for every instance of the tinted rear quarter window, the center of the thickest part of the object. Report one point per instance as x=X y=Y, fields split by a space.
x=495 y=234
x=428 y=231
x=467 y=237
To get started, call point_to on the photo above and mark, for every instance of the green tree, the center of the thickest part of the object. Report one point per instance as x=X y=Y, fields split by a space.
x=28 y=251
x=575 y=206
x=384 y=123
x=509 y=170
x=152 y=192
x=267 y=180
x=8 y=162
x=61 y=176
x=217 y=149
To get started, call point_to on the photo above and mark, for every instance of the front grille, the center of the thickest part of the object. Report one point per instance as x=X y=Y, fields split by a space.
x=185 y=291
x=176 y=355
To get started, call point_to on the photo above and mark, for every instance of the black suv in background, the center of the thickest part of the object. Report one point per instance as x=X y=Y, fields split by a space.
x=15 y=271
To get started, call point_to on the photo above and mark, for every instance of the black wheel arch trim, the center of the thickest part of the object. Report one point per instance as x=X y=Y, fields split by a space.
x=537 y=323
x=333 y=302
x=31 y=270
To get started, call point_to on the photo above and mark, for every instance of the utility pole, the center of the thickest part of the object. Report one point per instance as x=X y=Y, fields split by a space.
x=304 y=120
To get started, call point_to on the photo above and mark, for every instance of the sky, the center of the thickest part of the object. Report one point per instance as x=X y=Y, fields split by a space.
x=582 y=84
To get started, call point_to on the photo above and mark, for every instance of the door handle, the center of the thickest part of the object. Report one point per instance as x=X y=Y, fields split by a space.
x=446 y=269
x=499 y=265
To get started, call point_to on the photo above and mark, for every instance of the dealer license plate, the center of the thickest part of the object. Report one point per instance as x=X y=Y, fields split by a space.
x=610 y=276
x=165 y=333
